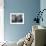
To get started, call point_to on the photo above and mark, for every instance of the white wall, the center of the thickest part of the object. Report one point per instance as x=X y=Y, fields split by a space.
x=43 y=6
x=1 y=21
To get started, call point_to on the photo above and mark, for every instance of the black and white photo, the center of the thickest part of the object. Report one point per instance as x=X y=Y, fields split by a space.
x=16 y=18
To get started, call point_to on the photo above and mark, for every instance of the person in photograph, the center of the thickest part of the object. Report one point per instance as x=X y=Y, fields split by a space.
x=19 y=18
x=14 y=18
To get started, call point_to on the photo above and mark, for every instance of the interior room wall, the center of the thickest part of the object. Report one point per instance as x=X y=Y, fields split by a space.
x=1 y=20
x=43 y=6
x=17 y=31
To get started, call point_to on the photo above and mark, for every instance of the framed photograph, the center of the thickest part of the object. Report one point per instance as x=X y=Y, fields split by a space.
x=16 y=18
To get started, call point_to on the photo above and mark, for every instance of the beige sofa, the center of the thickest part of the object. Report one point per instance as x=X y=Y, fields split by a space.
x=39 y=35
